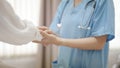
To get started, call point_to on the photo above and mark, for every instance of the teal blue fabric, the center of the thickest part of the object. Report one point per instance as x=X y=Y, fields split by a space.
x=98 y=16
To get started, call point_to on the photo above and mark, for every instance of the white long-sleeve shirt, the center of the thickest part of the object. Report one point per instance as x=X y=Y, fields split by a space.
x=12 y=29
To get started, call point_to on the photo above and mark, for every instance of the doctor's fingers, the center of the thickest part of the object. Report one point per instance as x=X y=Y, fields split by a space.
x=50 y=32
x=46 y=29
x=43 y=28
x=44 y=34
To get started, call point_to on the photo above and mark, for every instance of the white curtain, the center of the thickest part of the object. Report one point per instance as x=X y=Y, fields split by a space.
x=25 y=9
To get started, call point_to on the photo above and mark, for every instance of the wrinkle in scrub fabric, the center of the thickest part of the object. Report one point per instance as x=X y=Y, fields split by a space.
x=98 y=15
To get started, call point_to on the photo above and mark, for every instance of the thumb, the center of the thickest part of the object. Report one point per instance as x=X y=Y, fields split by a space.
x=36 y=41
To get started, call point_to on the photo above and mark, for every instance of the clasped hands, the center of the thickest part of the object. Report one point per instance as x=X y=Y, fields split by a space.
x=49 y=37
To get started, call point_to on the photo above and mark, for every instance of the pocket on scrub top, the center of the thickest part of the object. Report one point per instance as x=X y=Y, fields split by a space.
x=55 y=64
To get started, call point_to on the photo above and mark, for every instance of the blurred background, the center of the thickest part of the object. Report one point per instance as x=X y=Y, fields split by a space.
x=32 y=55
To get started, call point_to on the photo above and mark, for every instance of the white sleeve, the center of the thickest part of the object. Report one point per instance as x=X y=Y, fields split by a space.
x=12 y=29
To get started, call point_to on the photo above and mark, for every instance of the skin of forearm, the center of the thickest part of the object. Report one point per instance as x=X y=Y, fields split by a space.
x=91 y=43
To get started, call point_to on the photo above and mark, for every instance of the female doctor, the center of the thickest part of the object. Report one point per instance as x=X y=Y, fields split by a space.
x=13 y=30
x=85 y=28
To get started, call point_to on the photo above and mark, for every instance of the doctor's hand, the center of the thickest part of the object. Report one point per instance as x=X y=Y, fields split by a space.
x=42 y=28
x=46 y=29
x=49 y=38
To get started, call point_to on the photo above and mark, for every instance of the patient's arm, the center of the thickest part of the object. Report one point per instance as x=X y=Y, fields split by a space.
x=12 y=29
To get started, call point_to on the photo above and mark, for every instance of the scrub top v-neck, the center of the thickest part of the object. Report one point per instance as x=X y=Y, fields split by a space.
x=98 y=15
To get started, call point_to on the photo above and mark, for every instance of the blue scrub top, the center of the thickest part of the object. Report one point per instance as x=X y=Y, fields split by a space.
x=89 y=19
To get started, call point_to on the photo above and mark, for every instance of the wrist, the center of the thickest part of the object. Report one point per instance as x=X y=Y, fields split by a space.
x=60 y=41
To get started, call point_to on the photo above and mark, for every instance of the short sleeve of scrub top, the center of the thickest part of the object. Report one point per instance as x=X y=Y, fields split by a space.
x=103 y=20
